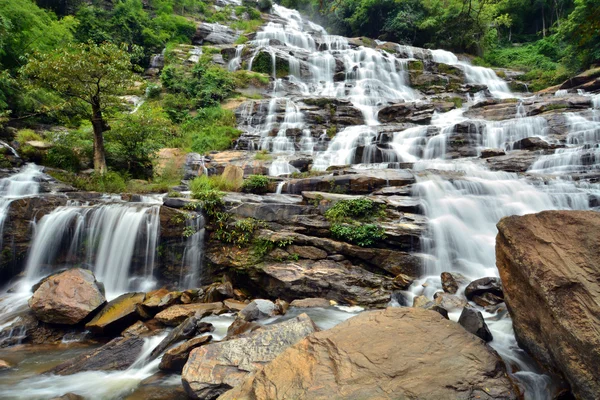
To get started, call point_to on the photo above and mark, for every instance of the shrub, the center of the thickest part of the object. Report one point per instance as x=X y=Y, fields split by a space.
x=265 y=5
x=27 y=135
x=153 y=91
x=362 y=235
x=62 y=157
x=256 y=184
x=356 y=209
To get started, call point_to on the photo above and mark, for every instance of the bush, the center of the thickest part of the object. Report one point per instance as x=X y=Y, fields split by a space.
x=205 y=183
x=63 y=157
x=27 y=135
x=265 y=5
x=258 y=184
x=110 y=182
x=356 y=209
x=153 y=91
x=361 y=235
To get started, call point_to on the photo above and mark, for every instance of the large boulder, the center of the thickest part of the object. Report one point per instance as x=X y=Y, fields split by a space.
x=217 y=367
x=117 y=314
x=67 y=298
x=174 y=359
x=395 y=353
x=549 y=264
x=118 y=354
x=176 y=314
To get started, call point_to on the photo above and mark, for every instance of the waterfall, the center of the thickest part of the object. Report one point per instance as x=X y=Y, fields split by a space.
x=193 y=253
x=102 y=238
x=582 y=152
x=22 y=184
x=474 y=74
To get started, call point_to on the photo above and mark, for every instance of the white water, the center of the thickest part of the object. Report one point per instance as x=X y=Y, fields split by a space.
x=474 y=74
x=25 y=183
x=582 y=153
x=102 y=238
x=105 y=385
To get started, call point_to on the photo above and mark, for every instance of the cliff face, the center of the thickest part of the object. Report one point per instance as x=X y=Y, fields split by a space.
x=550 y=269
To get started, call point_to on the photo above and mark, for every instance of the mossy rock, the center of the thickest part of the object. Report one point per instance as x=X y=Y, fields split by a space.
x=318 y=101
x=416 y=65
x=449 y=69
x=117 y=315
x=263 y=63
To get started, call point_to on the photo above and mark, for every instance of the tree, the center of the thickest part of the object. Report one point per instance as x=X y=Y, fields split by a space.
x=89 y=77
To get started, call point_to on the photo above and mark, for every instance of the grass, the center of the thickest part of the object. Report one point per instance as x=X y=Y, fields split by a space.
x=205 y=183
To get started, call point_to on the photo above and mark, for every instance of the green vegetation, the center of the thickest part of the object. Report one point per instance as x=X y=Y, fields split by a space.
x=205 y=183
x=257 y=184
x=89 y=77
x=547 y=39
x=349 y=221
x=261 y=247
x=53 y=53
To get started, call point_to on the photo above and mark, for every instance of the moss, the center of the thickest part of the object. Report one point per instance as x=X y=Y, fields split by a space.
x=449 y=69
x=319 y=101
x=416 y=65
x=332 y=131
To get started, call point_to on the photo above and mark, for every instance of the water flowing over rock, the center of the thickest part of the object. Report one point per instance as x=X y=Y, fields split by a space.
x=383 y=354
x=67 y=298
x=549 y=265
x=217 y=367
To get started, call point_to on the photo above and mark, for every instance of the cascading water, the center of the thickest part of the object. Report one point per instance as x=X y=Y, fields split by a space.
x=462 y=199
x=474 y=74
x=22 y=184
x=102 y=238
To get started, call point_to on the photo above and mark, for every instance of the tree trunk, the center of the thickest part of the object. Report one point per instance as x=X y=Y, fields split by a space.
x=99 y=127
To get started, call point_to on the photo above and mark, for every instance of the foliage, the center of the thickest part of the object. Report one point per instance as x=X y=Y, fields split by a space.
x=346 y=217
x=581 y=31
x=239 y=233
x=26 y=135
x=205 y=183
x=362 y=235
x=261 y=246
x=25 y=28
x=256 y=184
x=135 y=139
x=84 y=74
x=110 y=182
x=355 y=209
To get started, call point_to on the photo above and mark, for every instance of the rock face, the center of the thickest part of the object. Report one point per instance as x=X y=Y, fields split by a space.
x=217 y=367
x=550 y=269
x=346 y=362
x=67 y=298
x=117 y=314
x=118 y=354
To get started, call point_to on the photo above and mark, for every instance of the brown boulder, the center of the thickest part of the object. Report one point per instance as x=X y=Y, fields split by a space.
x=418 y=355
x=67 y=298
x=176 y=314
x=118 y=354
x=117 y=314
x=308 y=303
x=550 y=268
x=174 y=359
x=217 y=367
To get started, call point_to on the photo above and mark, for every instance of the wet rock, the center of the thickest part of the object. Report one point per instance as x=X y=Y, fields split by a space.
x=487 y=153
x=310 y=303
x=69 y=396
x=515 y=161
x=118 y=354
x=174 y=359
x=67 y=298
x=484 y=285
x=487 y=300
x=218 y=292
x=117 y=314
x=346 y=362
x=448 y=301
x=217 y=367
x=473 y=322
x=550 y=268
x=189 y=328
x=235 y=305
x=449 y=284
x=4 y=365
x=137 y=329
x=176 y=314
x=215 y=34
x=258 y=309
x=532 y=143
